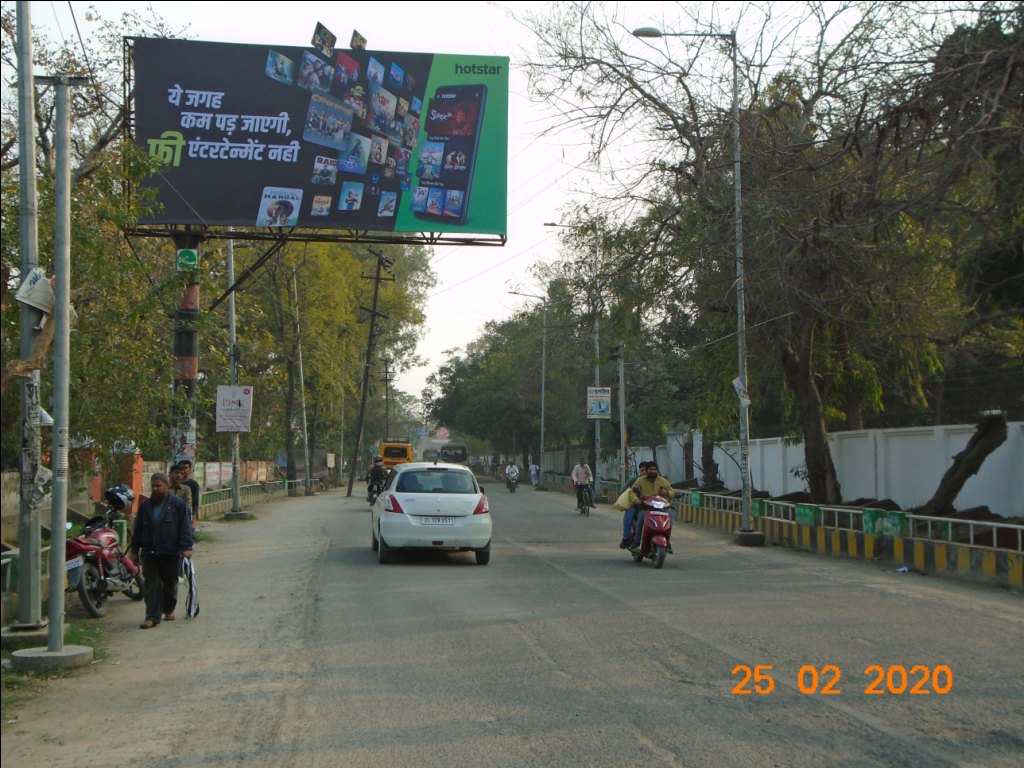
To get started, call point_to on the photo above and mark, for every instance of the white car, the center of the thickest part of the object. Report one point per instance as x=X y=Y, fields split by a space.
x=431 y=506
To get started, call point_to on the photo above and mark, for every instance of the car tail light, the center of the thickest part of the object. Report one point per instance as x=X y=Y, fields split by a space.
x=391 y=505
x=482 y=507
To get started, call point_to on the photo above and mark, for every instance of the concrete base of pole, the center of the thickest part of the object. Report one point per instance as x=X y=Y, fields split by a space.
x=748 y=538
x=15 y=637
x=43 y=660
x=236 y=514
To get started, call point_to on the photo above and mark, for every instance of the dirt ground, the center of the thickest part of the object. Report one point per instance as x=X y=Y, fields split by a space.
x=138 y=697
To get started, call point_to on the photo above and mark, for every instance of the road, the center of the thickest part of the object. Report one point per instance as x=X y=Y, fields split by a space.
x=560 y=652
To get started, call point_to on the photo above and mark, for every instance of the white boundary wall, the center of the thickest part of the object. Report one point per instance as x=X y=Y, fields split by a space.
x=904 y=465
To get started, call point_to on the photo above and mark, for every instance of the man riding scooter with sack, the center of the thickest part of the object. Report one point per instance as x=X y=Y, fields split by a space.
x=650 y=483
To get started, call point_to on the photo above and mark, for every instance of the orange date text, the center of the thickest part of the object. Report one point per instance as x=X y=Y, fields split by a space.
x=828 y=680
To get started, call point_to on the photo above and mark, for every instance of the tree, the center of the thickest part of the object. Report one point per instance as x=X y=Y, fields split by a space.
x=854 y=272
x=126 y=291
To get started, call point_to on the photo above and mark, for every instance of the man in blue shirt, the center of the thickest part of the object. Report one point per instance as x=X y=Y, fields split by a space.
x=161 y=536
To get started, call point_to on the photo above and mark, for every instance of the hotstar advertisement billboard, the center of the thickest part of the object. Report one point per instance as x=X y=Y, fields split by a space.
x=268 y=136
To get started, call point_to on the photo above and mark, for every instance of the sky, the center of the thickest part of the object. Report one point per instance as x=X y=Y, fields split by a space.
x=473 y=283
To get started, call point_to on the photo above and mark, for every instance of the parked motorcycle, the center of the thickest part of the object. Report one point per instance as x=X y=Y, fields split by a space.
x=655 y=525
x=96 y=565
x=512 y=483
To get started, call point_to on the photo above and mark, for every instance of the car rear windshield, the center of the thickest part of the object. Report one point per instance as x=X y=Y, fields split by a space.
x=434 y=481
x=455 y=454
x=395 y=452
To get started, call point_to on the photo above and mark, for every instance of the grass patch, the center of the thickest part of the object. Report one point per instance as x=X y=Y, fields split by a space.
x=20 y=686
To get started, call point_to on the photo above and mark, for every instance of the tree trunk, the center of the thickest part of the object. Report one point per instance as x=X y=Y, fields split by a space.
x=990 y=435
x=821 y=472
x=708 y=464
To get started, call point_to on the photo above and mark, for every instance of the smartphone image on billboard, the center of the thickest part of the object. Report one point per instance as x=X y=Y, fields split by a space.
x=447 y=157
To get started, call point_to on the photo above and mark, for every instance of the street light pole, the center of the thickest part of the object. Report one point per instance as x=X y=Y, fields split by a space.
x=746 y=535
x=597 y=351
x=543 y=374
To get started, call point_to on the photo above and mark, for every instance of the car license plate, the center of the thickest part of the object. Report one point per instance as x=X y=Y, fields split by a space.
x=438 y=521
x=74 y=562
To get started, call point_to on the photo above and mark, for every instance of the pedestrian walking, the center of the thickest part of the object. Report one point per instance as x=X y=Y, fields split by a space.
x=162 y=536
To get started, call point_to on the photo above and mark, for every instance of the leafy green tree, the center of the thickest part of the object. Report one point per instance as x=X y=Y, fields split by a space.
x=855 y=270
x=125 y=291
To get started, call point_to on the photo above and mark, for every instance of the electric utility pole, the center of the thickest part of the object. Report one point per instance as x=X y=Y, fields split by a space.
x=382 y=264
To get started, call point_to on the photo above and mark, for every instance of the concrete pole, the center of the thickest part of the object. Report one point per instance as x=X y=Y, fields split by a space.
x=236 y=491
x=597 y=364
x=543 y=386
x=307 y=474
x=56 y=655
x=622 y=415
x=741 y=310
x=367 y=365
x=61 y=366
x=29 y=539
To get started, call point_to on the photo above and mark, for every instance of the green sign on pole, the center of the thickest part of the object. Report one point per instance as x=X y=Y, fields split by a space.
x=188 y=259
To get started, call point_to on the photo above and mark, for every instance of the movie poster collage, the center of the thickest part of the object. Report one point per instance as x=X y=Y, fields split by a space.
x=365 y=115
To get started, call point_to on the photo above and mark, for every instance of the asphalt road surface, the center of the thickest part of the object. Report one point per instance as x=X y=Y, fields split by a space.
x=560 y=652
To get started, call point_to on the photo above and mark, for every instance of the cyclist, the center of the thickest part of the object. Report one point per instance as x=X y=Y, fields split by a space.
x=582 y=477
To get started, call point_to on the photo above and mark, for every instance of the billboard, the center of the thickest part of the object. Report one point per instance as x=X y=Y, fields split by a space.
x=272 y=136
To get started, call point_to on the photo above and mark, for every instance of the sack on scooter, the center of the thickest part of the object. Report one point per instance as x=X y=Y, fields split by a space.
x=626 y=500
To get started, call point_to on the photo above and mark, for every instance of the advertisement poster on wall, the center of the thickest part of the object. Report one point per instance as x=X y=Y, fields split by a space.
x=269 y=136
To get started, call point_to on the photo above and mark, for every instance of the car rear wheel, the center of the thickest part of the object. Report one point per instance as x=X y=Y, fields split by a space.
x=483 y=556
x=383 y=551
x=373 y=540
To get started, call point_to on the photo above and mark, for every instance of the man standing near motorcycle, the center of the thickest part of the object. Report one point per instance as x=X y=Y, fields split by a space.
x=651 y=483
x=162 y=535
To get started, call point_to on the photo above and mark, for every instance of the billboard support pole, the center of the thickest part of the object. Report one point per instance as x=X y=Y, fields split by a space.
x=186 y=349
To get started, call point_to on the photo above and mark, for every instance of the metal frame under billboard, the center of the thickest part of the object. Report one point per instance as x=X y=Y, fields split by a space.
x=370 y=146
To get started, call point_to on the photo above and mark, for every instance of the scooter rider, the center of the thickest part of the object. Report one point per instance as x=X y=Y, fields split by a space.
x=511 y=471
x=651 y=483
x=377 y=474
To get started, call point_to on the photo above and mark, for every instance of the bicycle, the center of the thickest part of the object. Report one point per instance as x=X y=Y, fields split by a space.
x=584 y=499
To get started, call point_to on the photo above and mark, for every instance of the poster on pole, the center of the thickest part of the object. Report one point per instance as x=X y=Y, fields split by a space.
x=599 y=402
x=234 y=408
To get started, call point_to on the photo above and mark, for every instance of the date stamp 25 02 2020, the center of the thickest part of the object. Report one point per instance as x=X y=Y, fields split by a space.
x=827 y=680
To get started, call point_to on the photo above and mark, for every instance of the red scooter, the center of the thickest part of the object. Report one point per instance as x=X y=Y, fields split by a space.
x=96 y=565
x=655 y=531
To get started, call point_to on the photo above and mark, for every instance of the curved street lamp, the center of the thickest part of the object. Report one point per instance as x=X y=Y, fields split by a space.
x=746 y=535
